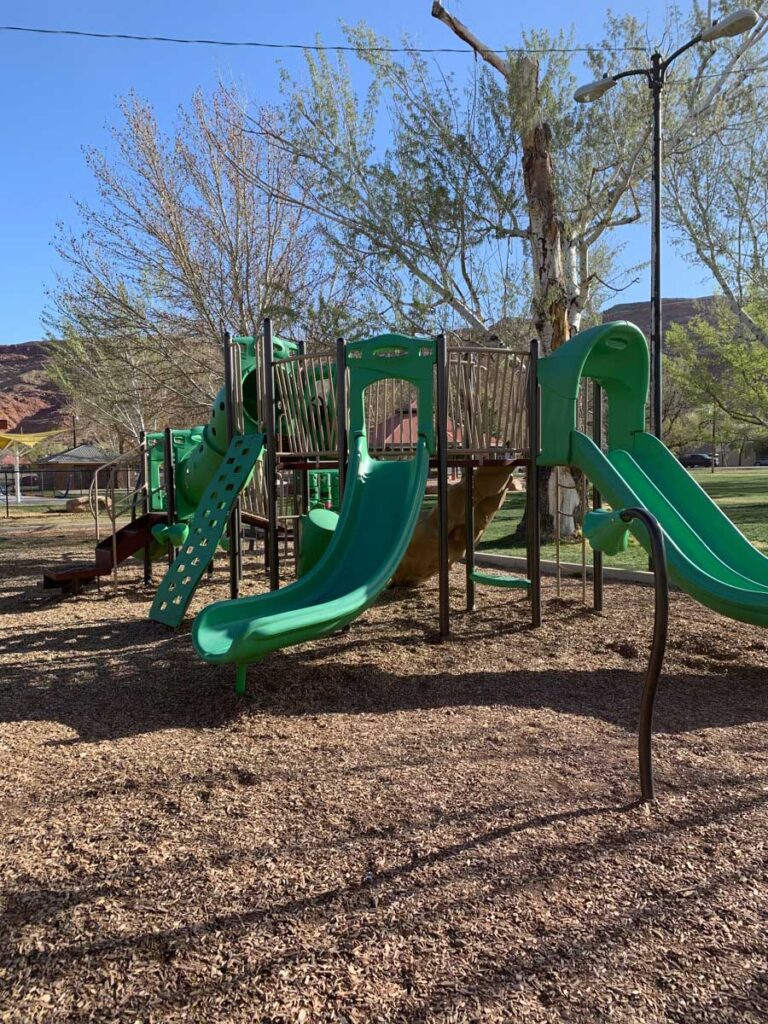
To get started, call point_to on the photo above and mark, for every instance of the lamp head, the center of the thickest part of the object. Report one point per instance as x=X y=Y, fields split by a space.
x=734 y=24
x=594 y=90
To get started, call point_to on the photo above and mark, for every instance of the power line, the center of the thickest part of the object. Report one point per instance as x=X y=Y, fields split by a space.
x=304 y=46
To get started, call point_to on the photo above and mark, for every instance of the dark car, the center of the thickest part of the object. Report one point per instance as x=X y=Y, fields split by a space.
x=699 y=460
x=762 y=461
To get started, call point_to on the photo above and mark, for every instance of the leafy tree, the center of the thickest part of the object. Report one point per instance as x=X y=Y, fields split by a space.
x=721 y=371
x=717 y=183
x=492 y=193
x=110 y=388
x=178 y=244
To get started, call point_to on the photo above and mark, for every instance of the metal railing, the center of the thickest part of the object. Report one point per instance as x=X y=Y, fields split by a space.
x=487 y=392
x=118 y=501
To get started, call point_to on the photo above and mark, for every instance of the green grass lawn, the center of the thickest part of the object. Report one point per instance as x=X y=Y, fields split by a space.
x=742 y=494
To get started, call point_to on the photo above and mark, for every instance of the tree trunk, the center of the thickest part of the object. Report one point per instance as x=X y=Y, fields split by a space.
x=555 y=295
x=550 y=301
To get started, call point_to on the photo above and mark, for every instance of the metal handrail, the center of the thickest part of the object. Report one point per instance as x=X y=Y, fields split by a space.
x=93 y=490
x=113 y=508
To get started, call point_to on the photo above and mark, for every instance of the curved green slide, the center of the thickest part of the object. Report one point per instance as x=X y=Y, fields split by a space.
x=708 y=556
x=381 y=505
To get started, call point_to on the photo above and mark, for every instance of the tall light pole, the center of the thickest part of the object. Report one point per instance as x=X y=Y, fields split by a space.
x=733 y=25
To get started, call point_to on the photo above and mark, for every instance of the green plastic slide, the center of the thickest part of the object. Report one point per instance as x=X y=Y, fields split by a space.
x=708 y=556
x=381 y=505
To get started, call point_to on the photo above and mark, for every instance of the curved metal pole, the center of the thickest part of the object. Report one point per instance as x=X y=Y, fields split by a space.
x=658 y=647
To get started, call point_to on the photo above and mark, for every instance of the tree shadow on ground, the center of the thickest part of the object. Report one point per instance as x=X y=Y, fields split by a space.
x=114 y=679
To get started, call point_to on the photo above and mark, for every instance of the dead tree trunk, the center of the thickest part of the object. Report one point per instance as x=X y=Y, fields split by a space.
x=553 y=297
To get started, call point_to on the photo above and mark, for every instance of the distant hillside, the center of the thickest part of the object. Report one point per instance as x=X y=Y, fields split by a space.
x=673 y=311
x=28 y=400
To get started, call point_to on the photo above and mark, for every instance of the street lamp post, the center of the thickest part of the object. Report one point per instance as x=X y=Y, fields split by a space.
x=733 y=25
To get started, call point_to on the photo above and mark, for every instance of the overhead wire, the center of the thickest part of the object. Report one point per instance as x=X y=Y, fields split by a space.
x=344 y=47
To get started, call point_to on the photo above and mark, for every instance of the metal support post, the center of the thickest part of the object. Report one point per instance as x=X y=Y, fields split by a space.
x=170 y=486
x=234 y=528
x=469 y=523
x=273 y=554
x=656 y=82
x=145 y=502
x=442 y=485
x=597 y=500
x=341 y=412
x=533 y=511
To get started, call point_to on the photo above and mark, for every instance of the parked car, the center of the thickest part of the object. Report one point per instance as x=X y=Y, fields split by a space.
x=699 y=460
x=762 y=461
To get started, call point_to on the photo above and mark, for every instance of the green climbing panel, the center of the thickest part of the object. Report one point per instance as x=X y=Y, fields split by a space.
x=206 y=529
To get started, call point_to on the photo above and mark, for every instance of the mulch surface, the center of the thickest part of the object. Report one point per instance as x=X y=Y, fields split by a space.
x=389 y=828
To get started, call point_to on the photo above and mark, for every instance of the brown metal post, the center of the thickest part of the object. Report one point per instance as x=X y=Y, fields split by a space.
x=233 y=521
x=442 y=485
x=268 y=358
x=597 y=501
x=341 y=412
x=469 y=508
x=145 y=503
x=170 y=486
x=533 y=512
x=469 y=525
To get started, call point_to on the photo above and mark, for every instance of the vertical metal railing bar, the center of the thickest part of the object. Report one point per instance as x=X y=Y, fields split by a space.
x=495 y=400
x=475 y=402
x=326 y=381
x=498 y=414
x=453 y=397
x=295 y=414
x=314 y=415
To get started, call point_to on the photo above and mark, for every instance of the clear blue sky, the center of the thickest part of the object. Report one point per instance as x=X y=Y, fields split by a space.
x=58 y=95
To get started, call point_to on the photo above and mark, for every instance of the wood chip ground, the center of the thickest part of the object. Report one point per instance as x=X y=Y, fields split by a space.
x=389 y=828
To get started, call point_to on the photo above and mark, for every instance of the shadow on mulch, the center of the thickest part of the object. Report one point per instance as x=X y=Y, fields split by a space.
x=349 y=904
x=117 y=679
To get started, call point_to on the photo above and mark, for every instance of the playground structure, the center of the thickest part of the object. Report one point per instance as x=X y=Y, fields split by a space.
x=360 y=433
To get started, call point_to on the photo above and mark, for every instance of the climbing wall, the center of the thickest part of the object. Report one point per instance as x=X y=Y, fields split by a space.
x=206 y=529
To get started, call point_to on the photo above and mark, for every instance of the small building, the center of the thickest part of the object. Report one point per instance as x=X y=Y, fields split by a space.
x=73 y=469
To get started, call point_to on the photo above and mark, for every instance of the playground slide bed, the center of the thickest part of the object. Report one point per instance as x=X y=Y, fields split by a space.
x=390 y=829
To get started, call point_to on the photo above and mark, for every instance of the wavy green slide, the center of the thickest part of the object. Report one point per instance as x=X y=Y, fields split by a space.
x=381 y=505
x=708 y=556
